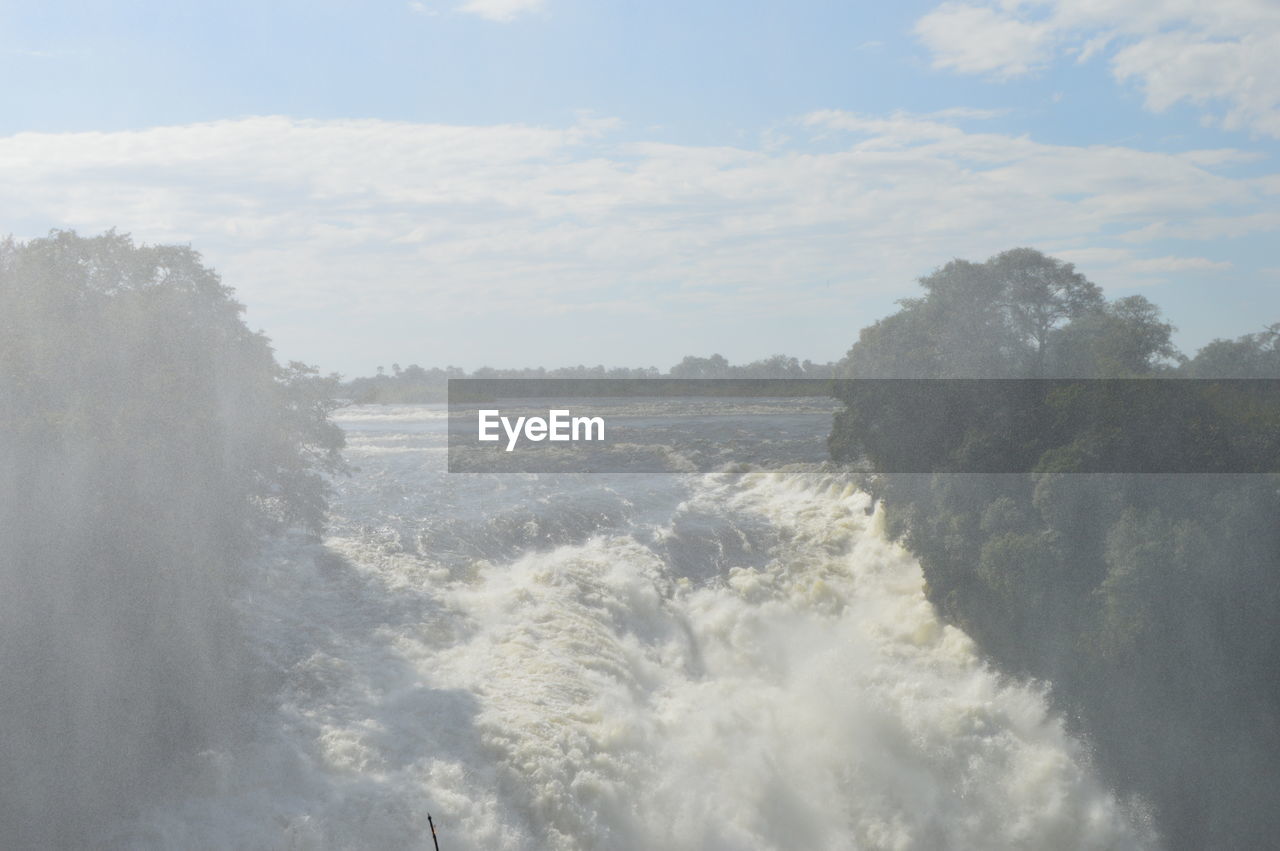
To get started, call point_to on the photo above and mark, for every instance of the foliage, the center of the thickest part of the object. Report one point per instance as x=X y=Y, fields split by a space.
x=147 y=440
x=1149 y=601
x=1020 y=314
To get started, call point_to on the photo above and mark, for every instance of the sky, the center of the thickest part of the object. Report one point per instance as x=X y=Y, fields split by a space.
x=561 y=182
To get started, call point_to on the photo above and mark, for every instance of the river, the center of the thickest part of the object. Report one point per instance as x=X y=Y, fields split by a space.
x=733 y=660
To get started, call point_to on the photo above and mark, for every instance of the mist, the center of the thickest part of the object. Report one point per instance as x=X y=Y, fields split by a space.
x=927 y=363
x=150 y=440
x=223 y=629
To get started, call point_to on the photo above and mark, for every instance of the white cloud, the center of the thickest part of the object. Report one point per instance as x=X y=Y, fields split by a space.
x=979 y=39
x=1165 y=265
x=367 y=222
x=1125 y=270
x=1219 y=56
x=501 y=10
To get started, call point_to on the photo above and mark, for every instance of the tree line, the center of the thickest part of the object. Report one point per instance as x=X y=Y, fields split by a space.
x=415 y=384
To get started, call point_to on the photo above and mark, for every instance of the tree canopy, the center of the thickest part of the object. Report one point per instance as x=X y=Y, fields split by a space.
x=1019 y=314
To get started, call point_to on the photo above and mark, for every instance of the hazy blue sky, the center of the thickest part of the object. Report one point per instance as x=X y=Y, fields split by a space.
x=519 y=182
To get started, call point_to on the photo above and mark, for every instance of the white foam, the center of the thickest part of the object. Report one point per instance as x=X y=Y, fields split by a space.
x=583 y=698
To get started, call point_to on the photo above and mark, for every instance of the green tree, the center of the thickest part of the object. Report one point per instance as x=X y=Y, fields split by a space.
x=978 y=320
x=1250 y=356
x=1125 y=339
x=692 y=366
x=1041 y=293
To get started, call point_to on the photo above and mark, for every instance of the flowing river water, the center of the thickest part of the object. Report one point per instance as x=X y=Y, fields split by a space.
x=734 y=660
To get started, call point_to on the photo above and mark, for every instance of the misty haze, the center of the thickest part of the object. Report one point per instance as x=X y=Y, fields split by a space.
x=531 y=424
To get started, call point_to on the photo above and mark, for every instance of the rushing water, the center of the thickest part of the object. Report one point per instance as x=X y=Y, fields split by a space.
x=705 y=661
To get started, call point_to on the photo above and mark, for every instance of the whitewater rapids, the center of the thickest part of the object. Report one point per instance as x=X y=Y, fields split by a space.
x=722 y=661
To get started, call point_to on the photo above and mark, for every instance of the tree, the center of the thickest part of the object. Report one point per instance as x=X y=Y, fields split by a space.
x=715 y=366
x=1250 y=356
x=148 y=441
x=977 y=320
x=1040 y=294
x=1124 y=339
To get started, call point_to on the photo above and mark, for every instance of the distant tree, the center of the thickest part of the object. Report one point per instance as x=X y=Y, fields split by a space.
x=966 y=312
x=715 y=366
x=1251 y=356
x=898 y=346
x=1041 y=293
x=413 y=384
x=1126 y=338
x=977 y=320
